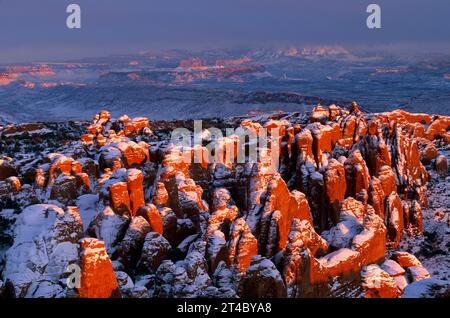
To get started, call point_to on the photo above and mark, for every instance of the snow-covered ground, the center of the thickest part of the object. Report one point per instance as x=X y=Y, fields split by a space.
x=433 y=248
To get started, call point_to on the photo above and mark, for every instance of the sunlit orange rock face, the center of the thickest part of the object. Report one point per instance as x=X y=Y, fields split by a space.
x=134 y=184
x=120 y=197
x=335 y=187
x=14 y=73
x=97 y=275
x=378 y=284
x=282 y=206
x=62 y=178
x=348 y=187
x=394 y=215
x=357 y=175
x=377 y=196
x=151 y=215
x=242 y=245
x=124 y=189
x=133 y=154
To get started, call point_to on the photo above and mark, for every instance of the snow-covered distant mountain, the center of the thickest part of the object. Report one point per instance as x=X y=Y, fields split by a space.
x=222 y=83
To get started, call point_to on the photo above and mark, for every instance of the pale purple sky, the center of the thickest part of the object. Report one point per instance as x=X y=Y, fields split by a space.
x=35 y=29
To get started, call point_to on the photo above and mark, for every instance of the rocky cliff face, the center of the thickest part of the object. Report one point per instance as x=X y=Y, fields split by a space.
x=116 y=199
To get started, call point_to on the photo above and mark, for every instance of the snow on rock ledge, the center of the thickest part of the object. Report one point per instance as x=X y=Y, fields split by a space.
x=45 y=238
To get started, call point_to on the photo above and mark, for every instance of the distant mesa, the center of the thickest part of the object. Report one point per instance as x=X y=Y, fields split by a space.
x=238 y=61
x=324 y=50
x=6 y=79
x=15 y=73
x=388 y=70
x=194 y=63
x=40 y=70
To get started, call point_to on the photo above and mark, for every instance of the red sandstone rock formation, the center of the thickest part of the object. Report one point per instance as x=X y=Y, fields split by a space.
x=161 y=196
x=320 y=114
x=428 y=153
x=406 y=269
x=133 y=154
x=357 y=176
x=442 y=165
x=374 y=149
x=387 y=178
x=335 y=187
x=303 y=230
x=120 y=199
x=348 y=185
x=406 y=260
x=280 y=209
x=394 y=217
x=9 y=187
x=378 y=284
x=397 y=272
x=155 y=249
x=151 y=215
x=97 y=276
x=7 y=168
x=377 y=196
x=259 y=281
x=242 y=245
x=130 y=249
x=371 y=241
x=135 y=189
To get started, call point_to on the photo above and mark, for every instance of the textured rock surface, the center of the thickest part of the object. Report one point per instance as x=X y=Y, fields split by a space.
x=143 y=218
x=242 y=245
x=377 y=283
x=442 y=165
x=44 y=245
x=155 y=249
x=97 y=275
x=262 y=280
